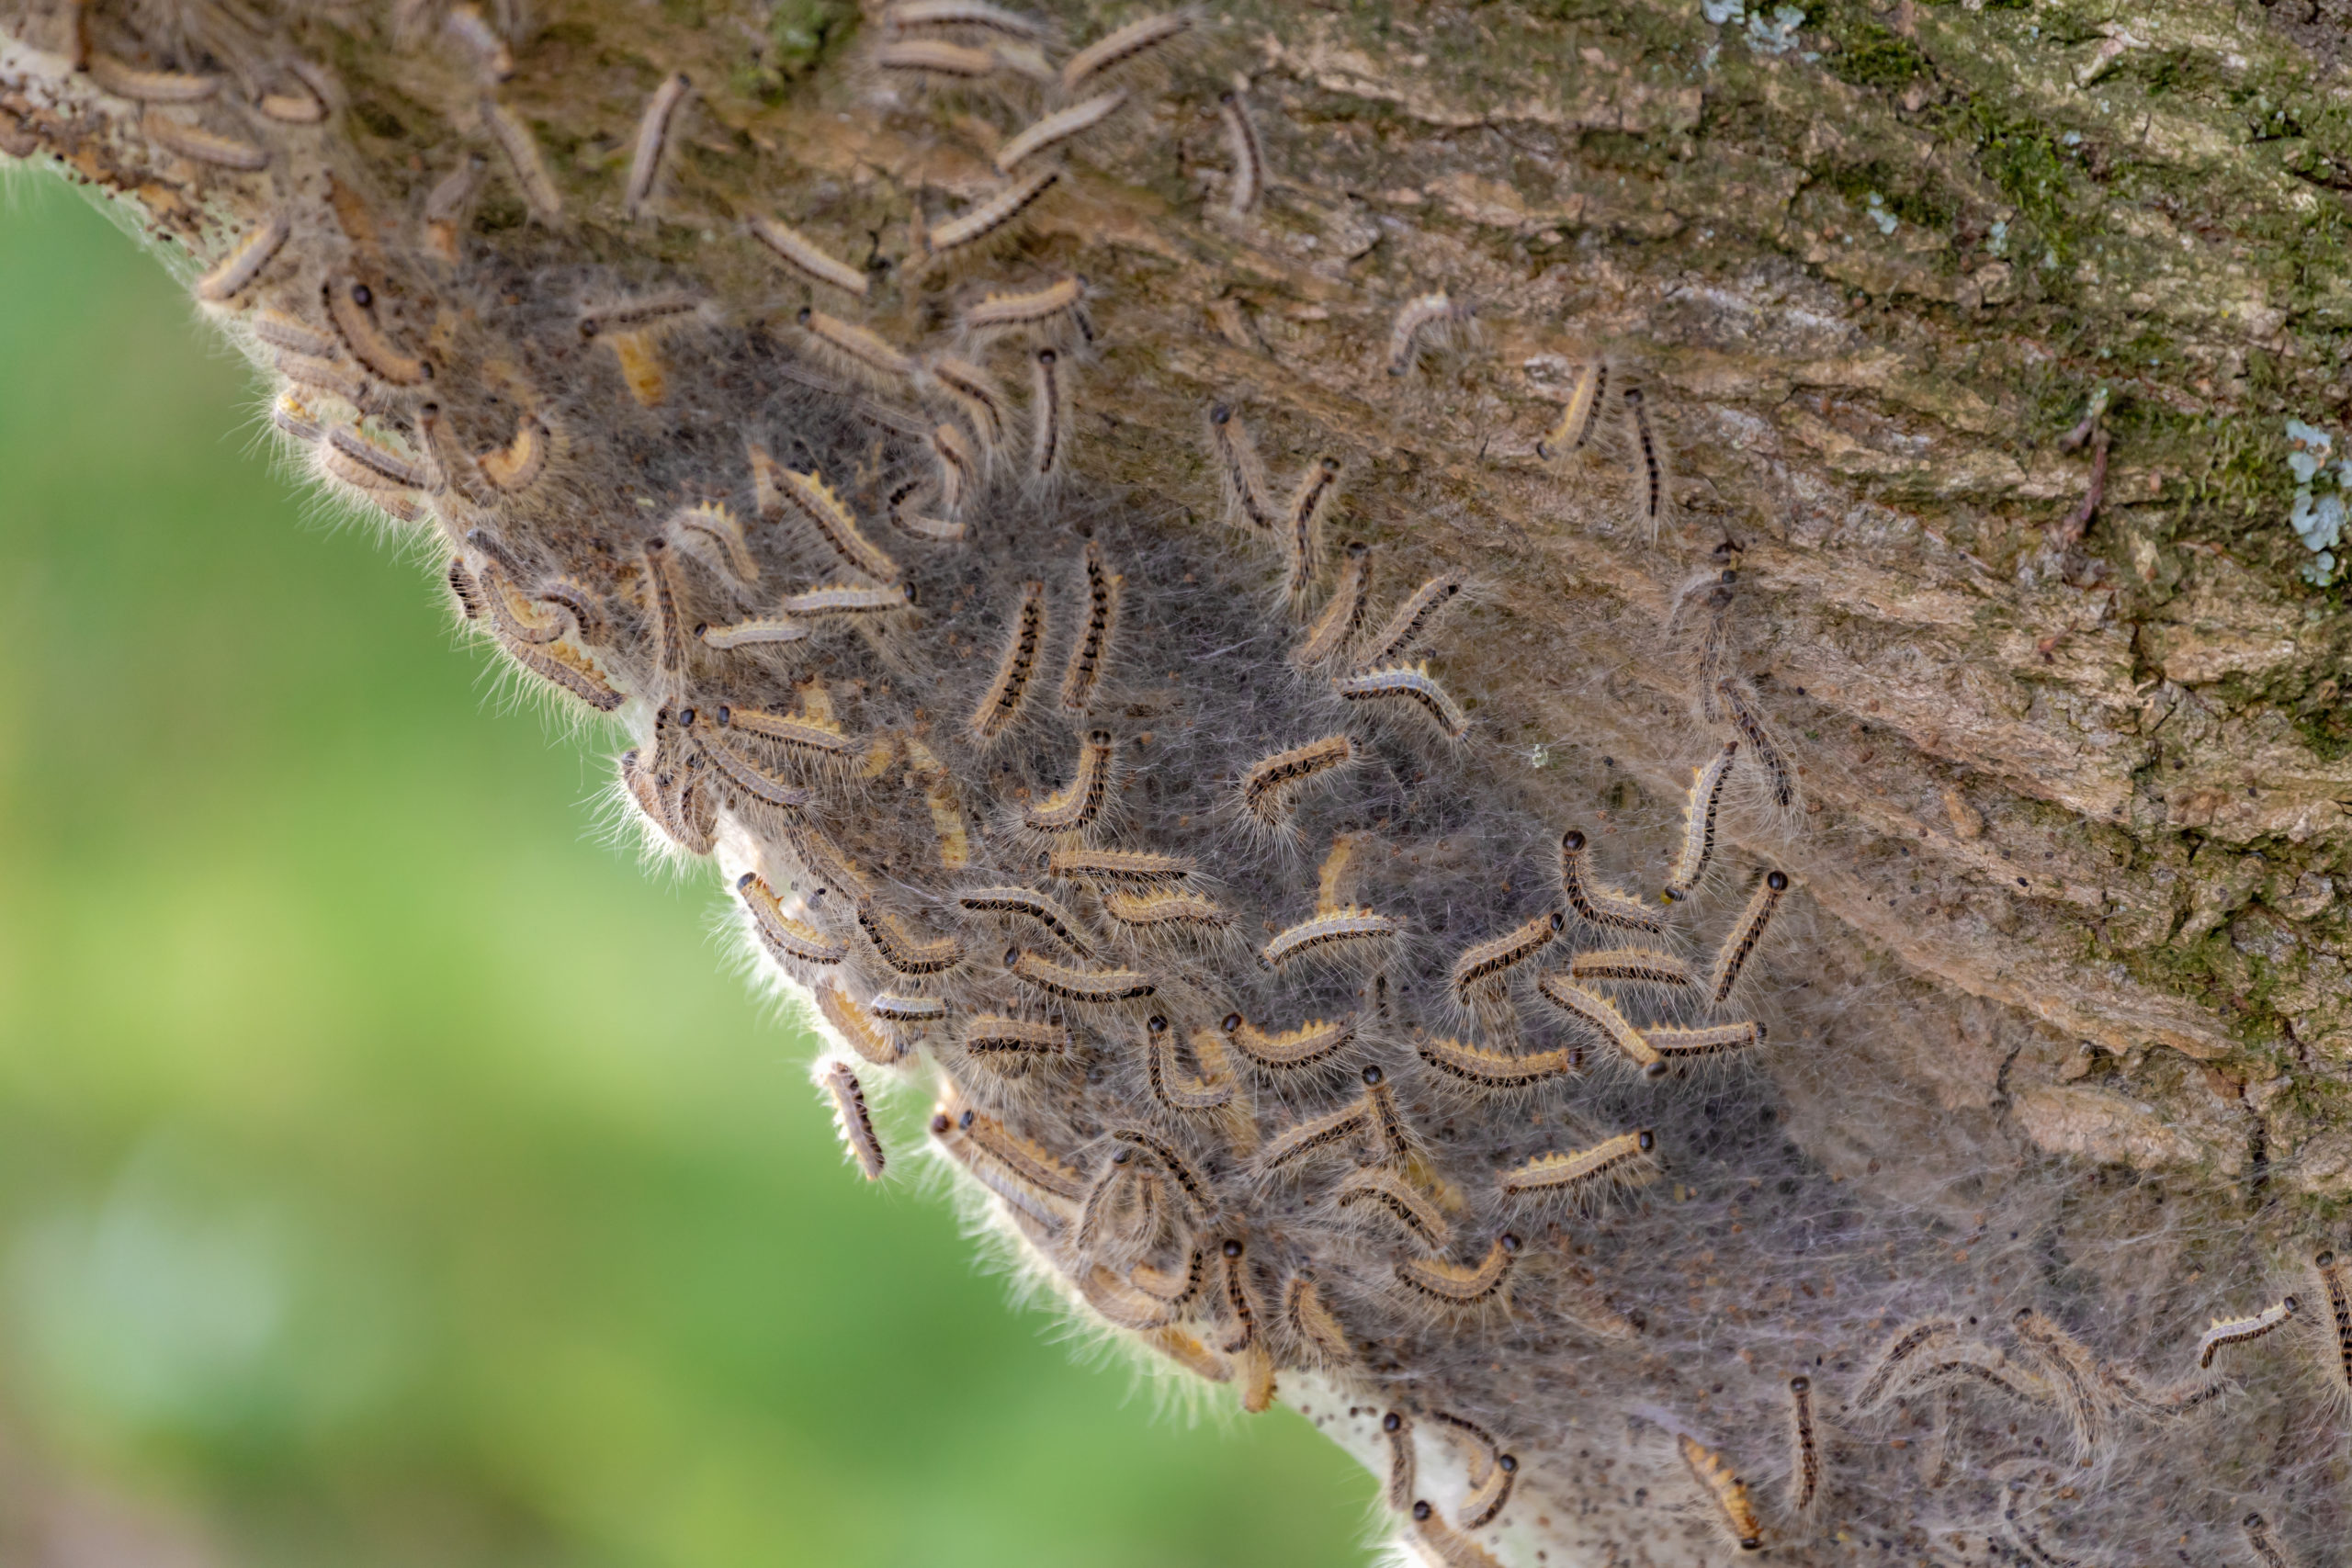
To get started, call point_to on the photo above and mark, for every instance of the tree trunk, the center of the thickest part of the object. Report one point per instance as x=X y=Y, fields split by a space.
x=1967 y=393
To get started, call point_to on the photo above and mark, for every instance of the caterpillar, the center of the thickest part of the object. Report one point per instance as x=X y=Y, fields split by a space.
x=1248 y=176
x=653 y=140
x=1804 y=1448
x=990 y=218
x=1734 y=1512
x=1561 y=1173
x=1061 y=126
x=243 y=263
x=1456 y=1285
x=2224 y=1332
x=848 y=1097
x=806 y=256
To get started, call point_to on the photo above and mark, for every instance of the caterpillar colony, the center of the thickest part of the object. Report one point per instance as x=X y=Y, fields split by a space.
x=1114 y=792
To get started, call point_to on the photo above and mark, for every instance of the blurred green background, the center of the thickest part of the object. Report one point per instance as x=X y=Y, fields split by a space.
x=390 y=1170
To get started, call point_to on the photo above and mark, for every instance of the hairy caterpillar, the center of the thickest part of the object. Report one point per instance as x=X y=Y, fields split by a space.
x=990 y=218
x=1055 y=129
x=206 y=147
x=654 y=140
x=806 y=256
x=1804 y=1463
x=1196 y=665
x=1248 y=177
x=1726 y=1491
x=244 y=262
x=848 y=1097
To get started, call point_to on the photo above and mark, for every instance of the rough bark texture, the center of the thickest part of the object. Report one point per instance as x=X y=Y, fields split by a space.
x=2067 y=982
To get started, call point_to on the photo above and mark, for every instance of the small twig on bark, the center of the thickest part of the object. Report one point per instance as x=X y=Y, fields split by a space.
x=2073 y=440
x=2071 y=531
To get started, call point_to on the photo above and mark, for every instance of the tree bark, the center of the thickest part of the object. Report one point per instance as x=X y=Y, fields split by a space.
x=1969 y=338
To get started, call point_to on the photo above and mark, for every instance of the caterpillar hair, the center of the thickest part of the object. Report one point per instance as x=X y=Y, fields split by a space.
x=280 y=330
x=518 y=465
x=1385 y=1193
x=844 y=599
x=1494 y=959
x=790 y=939
x=708 y=528
x=2222 y=1332
x=1330 y=1132
x=1449 y=1547
x=757 y=632
x=811 y=500
x=1633 y=966
x=1761 y=747
x=907 y=1007
x=1342 y=934
x=2336 y=1289
x=1893 y=1365
x=1683 y=1045
x=1118 y=867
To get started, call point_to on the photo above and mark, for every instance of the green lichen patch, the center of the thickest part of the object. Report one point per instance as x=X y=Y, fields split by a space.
x=800 y=34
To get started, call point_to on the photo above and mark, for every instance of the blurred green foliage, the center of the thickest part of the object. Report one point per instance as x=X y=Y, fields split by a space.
x=390 y=1170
